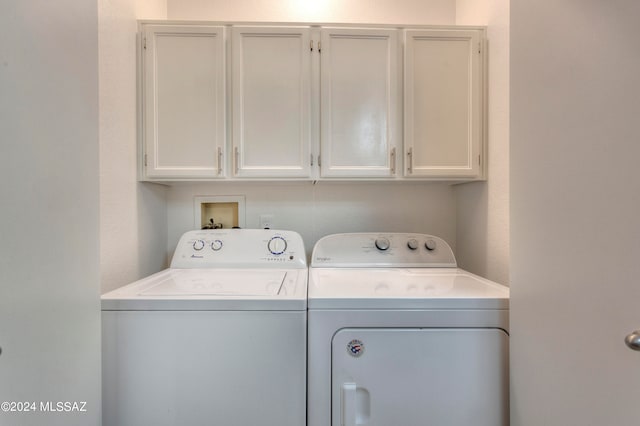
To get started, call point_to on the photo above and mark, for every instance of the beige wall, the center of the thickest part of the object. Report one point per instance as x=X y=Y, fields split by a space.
x=350 y=11
x=575 y=209
x=133 y=224
x=327 y=208
x=482 y=236
x=49 y=272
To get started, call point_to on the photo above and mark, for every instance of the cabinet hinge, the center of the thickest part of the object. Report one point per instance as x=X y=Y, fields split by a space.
x=312 y=159
x=479 y=47
x=319 y=161
x=311 y=45
x=319 y=47
x=392 y=161
x=144 y=43
x=145 y=160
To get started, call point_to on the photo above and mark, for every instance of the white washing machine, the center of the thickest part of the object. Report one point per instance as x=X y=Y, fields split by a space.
x=219 y=338
x=398 y=335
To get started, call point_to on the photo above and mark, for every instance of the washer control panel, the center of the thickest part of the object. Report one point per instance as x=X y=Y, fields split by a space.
x=239 y=248
x=382 y=250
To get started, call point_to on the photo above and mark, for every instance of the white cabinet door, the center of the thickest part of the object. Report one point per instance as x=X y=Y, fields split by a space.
x=359 y=102
x=443 y=103
x=271 y=101
x=183 y=101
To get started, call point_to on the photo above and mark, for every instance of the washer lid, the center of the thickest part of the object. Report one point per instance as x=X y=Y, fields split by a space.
x=403 y=288
x=213 y=289
x=195 y=282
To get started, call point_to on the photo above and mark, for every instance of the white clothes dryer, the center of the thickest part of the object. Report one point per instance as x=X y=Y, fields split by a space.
x=398 y=335
x=219 y=338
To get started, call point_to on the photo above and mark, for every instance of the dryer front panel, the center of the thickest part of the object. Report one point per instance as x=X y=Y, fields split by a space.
x=419 y=376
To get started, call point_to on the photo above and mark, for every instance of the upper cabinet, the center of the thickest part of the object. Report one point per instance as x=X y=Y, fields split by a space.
x=275 y=89
x=311 y=102
x=271 y=80
x=359 y=102
x=443 y=103
x=183 y=102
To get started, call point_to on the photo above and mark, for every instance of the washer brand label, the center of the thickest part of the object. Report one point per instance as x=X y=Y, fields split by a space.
x=323 y=259
x=355 y=348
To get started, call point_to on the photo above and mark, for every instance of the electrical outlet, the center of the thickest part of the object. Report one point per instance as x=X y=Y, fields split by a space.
x=266 y=221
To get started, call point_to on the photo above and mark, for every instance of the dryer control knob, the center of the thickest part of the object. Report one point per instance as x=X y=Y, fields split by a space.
x=277 y=245
x=198 y=245
x=382 y=244
x=412 y=244
x=430 y=245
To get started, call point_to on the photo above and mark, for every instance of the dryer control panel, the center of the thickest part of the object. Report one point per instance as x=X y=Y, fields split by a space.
x=239 y=248
x=371 y=250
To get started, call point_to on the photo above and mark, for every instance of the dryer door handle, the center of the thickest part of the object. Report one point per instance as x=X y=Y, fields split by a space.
x=349 y=404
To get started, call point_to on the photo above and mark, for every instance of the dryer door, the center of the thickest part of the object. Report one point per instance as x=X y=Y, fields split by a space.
x=413 y=377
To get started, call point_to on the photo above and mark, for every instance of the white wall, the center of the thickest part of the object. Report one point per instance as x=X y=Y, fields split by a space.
x=133 y=218
x=49 y=267
x=326 y=208
x=482 y=234
x=351 y=11
x=575 y=212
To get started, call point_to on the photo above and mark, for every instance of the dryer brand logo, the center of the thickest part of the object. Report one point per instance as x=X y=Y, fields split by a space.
x=355 y=348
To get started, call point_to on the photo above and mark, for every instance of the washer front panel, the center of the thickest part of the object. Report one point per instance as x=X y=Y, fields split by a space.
x=231 y=368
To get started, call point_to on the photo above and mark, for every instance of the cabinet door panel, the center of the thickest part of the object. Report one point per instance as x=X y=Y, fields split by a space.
x=271 y=101
x=184 y=102
x=359 y=89
x=442 y=103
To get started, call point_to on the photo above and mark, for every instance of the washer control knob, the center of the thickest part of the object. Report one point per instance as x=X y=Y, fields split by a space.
x=277 y=245
x=430 y=245
x=412 y=244
x=198 y=245
x=382 y=243
x=216 y=245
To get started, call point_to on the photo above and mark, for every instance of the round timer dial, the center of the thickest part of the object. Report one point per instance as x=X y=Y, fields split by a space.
x=277 y=245
x=198 y=245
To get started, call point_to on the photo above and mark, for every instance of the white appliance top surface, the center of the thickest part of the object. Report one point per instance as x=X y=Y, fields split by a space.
x=197 y=282
x=395 y=270
x=403 y=288
x=224 y=269
x=213 y=289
